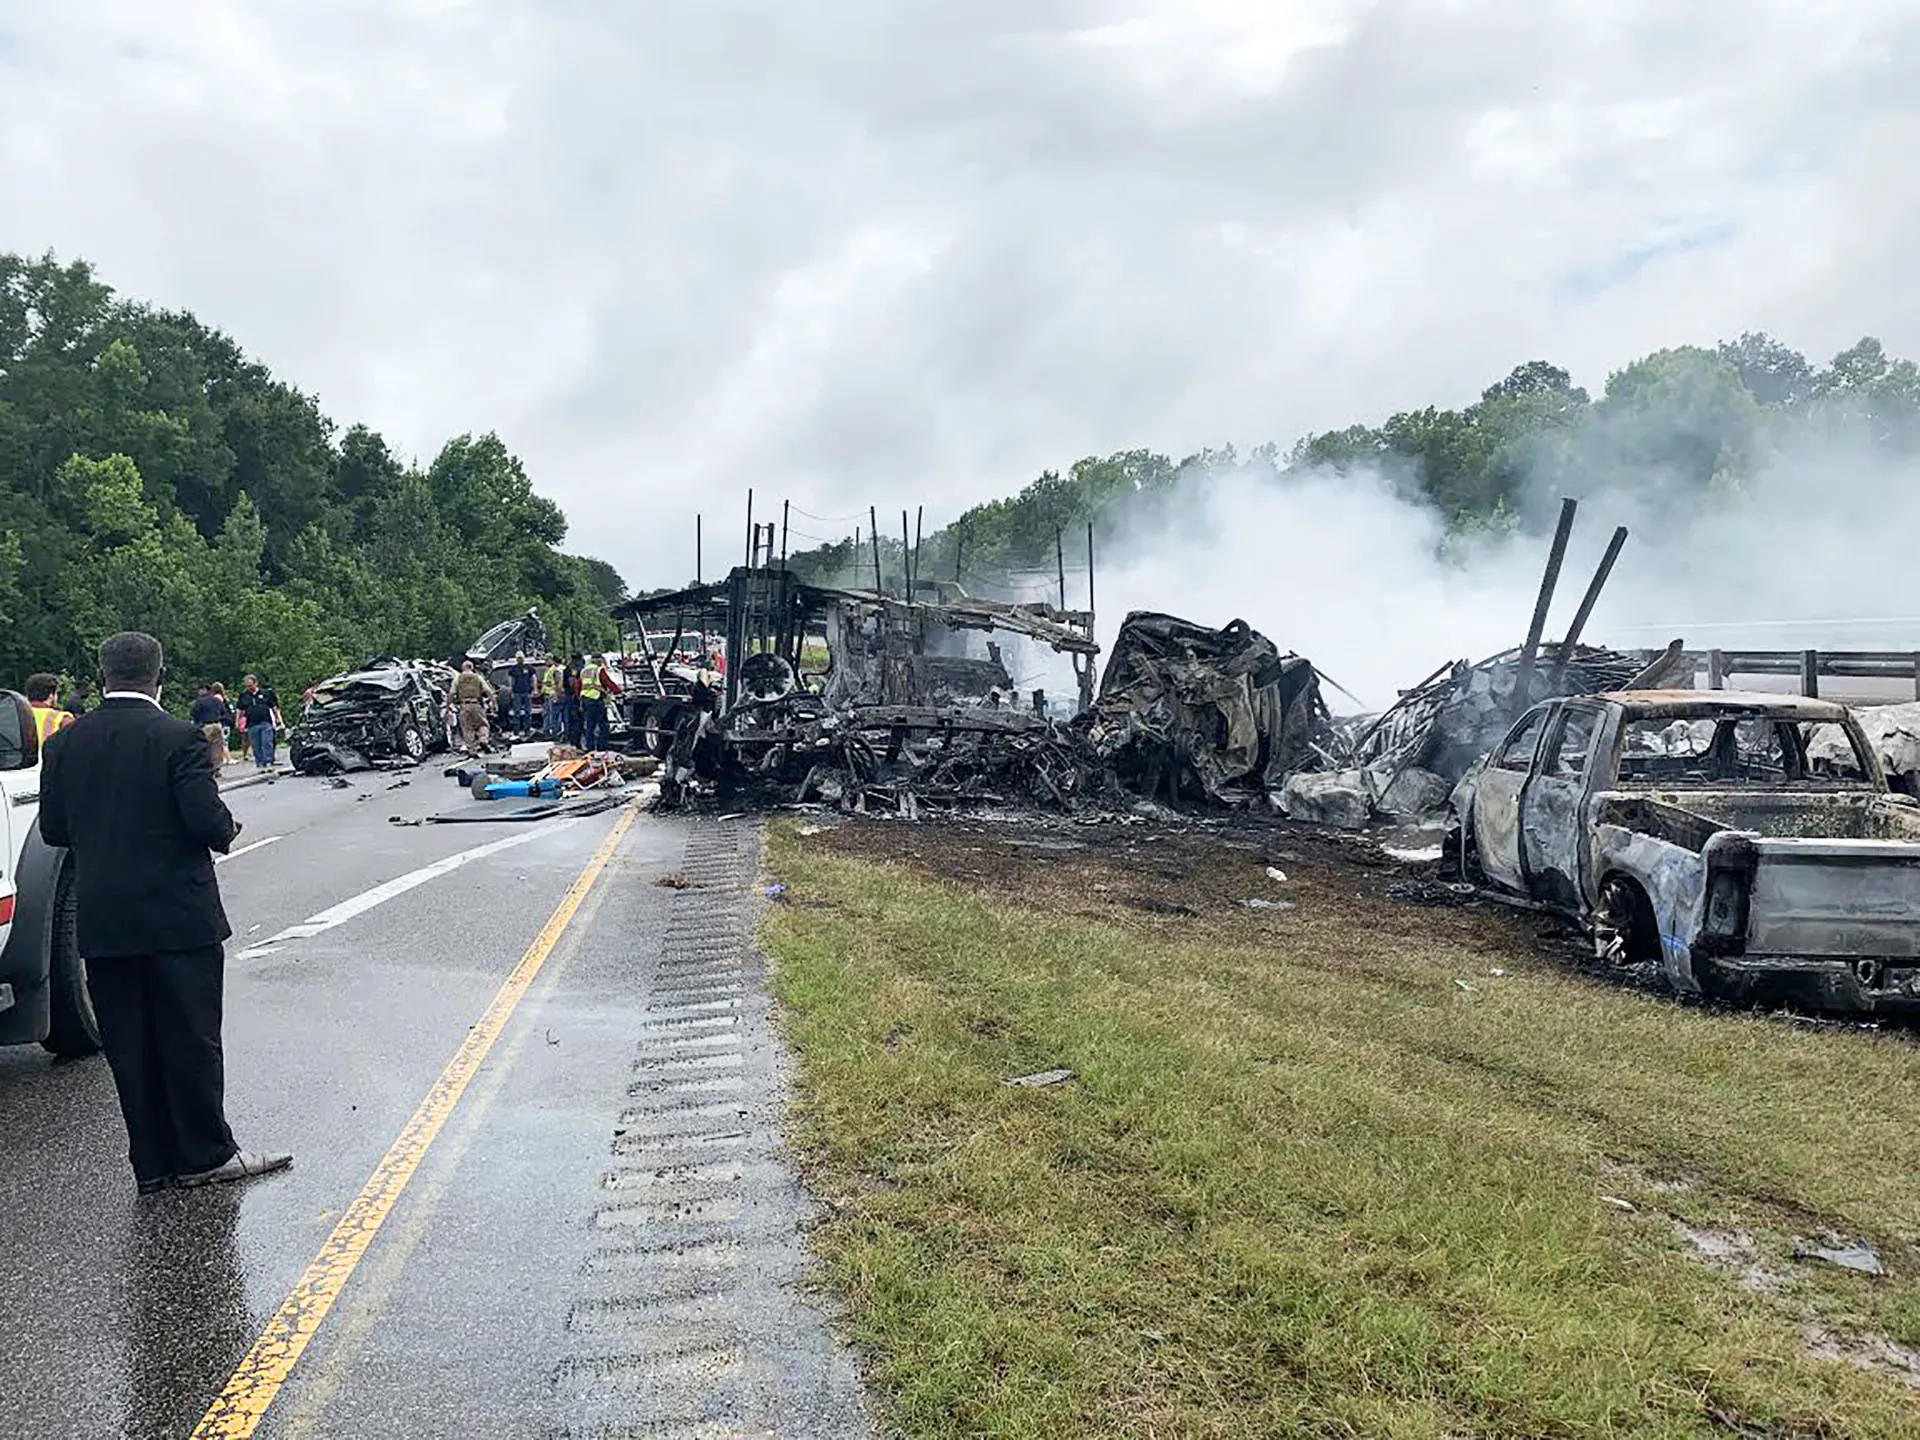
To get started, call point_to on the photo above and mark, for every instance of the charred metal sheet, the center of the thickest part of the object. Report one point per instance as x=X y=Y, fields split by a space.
x=1219 y=714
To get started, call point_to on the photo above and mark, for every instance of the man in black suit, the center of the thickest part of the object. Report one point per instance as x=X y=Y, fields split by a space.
x=130 y=791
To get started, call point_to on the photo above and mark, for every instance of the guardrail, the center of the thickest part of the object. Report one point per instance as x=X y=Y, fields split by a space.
x=1809 y=667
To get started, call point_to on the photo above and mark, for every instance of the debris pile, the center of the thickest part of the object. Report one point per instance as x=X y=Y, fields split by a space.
x=1894 y=733
x=1197 y=713
x=1462 y=711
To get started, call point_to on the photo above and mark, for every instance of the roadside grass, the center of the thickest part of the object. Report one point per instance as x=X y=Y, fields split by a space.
x=1304 y=1183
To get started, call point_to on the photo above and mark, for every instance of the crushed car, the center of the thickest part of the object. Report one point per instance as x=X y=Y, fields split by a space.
x=1747 y=846
x=1213 y=715
x=390 y=711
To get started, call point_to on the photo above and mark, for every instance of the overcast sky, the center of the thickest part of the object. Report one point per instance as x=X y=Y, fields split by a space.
x=914 y=251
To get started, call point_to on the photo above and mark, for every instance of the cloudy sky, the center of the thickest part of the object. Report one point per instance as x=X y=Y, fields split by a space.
x=900 y=251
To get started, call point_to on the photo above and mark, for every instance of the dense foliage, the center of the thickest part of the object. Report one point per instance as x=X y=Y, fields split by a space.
x=153 y=477
x=1679 y=429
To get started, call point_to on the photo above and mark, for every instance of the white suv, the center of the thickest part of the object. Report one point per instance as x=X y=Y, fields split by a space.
x=43 y=984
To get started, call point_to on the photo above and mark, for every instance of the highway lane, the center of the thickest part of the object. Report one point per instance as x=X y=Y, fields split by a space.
x=126 y=1317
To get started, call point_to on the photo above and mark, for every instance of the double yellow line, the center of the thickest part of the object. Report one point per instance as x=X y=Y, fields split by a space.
x=241 y=1405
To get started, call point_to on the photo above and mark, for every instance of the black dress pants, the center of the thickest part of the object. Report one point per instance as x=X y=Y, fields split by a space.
x=160 y=1026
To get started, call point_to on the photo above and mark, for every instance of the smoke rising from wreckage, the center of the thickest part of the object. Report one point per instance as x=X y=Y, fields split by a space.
x=905 y=705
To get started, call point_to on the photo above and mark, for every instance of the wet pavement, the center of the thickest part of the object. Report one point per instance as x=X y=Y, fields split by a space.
x=603 y=1239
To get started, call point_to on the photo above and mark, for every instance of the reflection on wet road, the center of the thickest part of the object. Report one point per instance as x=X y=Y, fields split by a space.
x=130 y=1317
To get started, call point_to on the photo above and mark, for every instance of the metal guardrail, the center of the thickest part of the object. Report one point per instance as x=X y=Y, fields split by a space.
x=1809 y=667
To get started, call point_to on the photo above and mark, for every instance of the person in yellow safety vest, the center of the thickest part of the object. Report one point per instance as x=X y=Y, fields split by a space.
x=594 y=684
x=43 y=692
x=553 y=698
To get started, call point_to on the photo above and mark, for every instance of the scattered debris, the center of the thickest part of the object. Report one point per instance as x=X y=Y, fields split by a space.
x=1259 y=904
x=1275 y=873
x=1626 y=1206
x=1040 y=1080
x=775 y=892
x=1855 y=1255
x=1339 y=799
x=1423 y=855
x=674 y=880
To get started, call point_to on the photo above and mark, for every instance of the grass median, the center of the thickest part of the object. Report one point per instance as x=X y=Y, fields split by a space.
x=1323 y=1171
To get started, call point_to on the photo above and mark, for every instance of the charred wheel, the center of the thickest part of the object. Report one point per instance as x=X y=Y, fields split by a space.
x=1625 y=931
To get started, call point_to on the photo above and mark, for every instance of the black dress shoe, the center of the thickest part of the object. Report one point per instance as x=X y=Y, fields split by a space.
x=243 y=1166
x=154 y=1187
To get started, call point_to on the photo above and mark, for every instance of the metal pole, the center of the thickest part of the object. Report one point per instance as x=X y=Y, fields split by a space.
x=873 y=524
x=1060 y=559
x=960 y=550
x=1089 y=575
x=696 y=550
x=919 y=514
x=906 y=554
x=751 y=532
x=1523 y=678
x=1587 y=602
x=783 y=532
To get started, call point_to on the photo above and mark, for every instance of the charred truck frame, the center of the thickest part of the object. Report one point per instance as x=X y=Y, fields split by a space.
x=856 y=696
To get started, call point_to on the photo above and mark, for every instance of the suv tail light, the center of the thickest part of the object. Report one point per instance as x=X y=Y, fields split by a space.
x=6 y=909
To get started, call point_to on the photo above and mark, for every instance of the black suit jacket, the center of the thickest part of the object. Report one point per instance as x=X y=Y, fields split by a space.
x=132 y=793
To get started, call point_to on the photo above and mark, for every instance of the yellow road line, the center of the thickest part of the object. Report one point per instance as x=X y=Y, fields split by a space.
x=240 y=1406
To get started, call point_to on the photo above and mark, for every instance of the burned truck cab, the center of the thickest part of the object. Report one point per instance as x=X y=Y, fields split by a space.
x=1746 y=845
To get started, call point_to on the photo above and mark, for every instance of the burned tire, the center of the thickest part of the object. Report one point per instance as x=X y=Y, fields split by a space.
x=410 y=742
x=657 y=726
x=73 y=1029
x=1625 y=930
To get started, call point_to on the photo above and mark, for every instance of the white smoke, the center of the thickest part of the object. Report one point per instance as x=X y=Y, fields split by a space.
x=1816 y=551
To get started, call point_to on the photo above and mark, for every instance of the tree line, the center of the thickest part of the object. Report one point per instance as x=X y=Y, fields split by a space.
x=153 y=477
x=1682 y=428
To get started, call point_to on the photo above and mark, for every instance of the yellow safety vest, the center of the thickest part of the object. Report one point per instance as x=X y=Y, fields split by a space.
x=590 y=688
x=551 y=681
x=48 y=721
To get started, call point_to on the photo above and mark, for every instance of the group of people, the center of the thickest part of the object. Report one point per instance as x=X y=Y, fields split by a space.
x=574 y=696
x=255 y=713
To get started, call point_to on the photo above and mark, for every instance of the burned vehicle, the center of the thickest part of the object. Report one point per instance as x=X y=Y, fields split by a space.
x=1696 y=831
x=1218 y=715
x=390 y=711
x=860 y=697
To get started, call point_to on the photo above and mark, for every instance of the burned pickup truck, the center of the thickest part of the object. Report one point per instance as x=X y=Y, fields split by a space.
x=389 y=711
x=1747 y=845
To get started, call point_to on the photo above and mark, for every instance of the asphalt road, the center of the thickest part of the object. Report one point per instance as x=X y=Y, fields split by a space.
x=553 y=1209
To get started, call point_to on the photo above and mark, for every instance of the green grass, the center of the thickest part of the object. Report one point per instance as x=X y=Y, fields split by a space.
x=1305 y=1184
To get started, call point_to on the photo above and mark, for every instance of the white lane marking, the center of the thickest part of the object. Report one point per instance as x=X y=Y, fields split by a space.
x=399 y=885
x=246 y=849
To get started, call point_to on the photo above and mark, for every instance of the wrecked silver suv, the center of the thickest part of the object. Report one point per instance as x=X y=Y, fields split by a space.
x=1748 y=845
x=389 y=712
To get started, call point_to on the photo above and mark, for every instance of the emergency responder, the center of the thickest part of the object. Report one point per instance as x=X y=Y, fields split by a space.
x=471 y=698
x=49 y=718
x=576 y=713
x=594 y=686
x=553 y=698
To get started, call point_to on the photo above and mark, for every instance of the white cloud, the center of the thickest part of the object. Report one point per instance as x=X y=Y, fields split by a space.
x=869 y=252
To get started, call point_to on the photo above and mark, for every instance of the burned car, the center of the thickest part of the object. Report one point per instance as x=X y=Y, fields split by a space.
x=389 y=711
x=1747 y=845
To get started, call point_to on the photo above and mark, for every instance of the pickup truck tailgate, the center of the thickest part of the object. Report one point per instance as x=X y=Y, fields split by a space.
x=1836 y=897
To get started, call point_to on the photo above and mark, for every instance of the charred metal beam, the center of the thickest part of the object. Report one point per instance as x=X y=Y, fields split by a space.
x=1523 y=678
x=1587 y=602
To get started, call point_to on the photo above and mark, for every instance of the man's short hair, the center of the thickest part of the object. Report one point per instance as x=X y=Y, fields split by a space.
x=131 y=661
x=42 y=688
